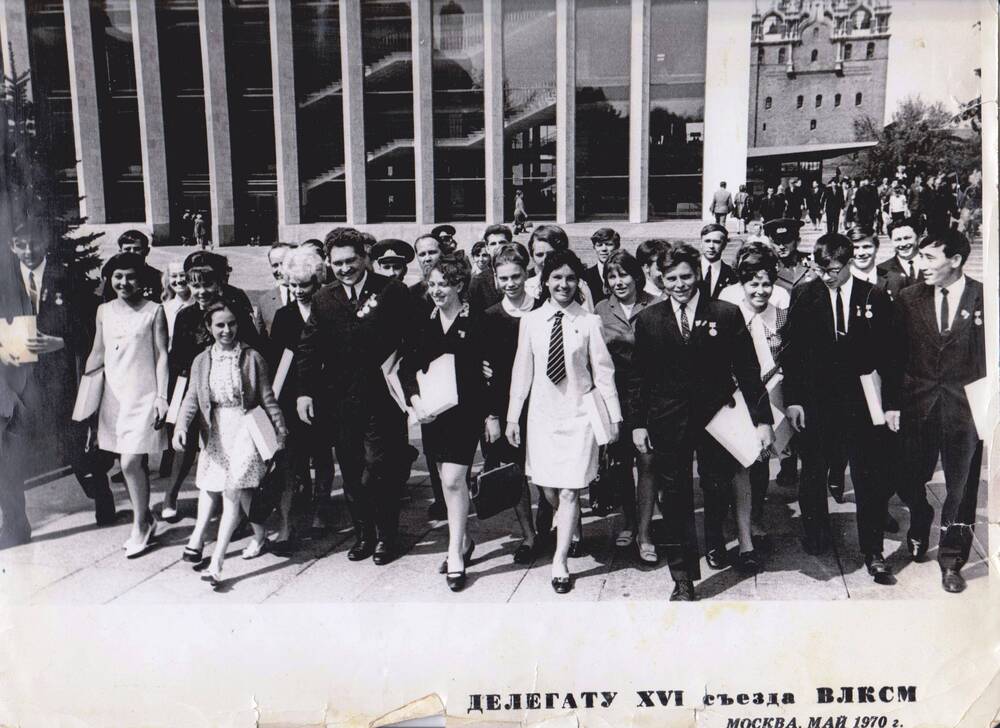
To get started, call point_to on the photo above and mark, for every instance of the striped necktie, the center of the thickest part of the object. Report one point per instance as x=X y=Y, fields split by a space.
x=33 y=292
x=556 y=367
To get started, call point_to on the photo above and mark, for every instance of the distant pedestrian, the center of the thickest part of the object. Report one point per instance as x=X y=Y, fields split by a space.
x=520 y=214
x=743 y=208
x=722 y=204
x=201 y=232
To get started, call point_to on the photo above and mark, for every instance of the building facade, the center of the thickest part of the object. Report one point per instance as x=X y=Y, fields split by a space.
x=815 y=67
x=271 y=115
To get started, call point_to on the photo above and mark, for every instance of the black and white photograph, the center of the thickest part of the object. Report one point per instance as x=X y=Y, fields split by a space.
x=430 y=304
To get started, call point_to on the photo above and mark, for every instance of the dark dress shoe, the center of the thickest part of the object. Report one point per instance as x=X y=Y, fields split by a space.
x=562 y=584
x=952 y=581
x=362 y=549
x=466 y=558
x=383 y=553
x=917 y=549
x=716 y=559
x=878 y=569
x=891 y=524
x=787 y=478
x=456 y=580
x=683 y=591
x=837 y=491
x=524 y=554
x=748 y=563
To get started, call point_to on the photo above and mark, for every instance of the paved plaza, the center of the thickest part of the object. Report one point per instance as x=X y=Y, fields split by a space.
x=71 y=561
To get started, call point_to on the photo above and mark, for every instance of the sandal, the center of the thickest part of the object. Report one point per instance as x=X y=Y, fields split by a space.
x=192 y=555
x=255 y=548
x=524 y=554
x=647 y=553
x=624 y=538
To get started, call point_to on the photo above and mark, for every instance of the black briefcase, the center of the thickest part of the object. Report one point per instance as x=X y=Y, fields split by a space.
x=498 y=489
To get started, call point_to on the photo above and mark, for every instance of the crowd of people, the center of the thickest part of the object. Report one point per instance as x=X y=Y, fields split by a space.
x=660 y=343
x=938 y=201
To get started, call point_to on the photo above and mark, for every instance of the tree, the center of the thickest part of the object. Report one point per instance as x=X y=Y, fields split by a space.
x=919 y=136
x=28 y=188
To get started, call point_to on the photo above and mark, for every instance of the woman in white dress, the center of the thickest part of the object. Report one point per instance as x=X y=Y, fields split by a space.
x=176 y=295
x=131 y=344
x=561 y=358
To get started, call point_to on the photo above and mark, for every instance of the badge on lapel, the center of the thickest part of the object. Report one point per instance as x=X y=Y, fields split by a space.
x=978 y=318
x=59 y=298
x=370 y=304
x=711 y=329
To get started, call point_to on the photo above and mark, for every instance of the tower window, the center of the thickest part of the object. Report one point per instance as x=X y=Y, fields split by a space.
x=782 y=54
x=870 y=51
x=764 y=126
x=760 y=55
x=819 y=100
x=857 y=99
x=847 y=51
x=836 y=99
x=813 y=56
x=767 y=102
x=798 y=102
x=812 y=124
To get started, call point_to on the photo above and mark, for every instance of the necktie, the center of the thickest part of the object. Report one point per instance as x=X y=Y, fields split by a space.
x=556 y=367
x=945 y=318
x=839 y=313
x=913 y=273
x=353 y=296
x=708 y=281
x=33 y=292
x=685 y=324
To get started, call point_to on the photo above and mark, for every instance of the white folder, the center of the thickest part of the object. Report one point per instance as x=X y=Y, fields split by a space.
x=390 y=371
x=89 y=395
x=978 y=394
x=438 y=385
x=262 y=432
x=281 y=373
x=734 y=429
x=14 y=337
x=597 y=413
x=174 y=410
x=872 y=386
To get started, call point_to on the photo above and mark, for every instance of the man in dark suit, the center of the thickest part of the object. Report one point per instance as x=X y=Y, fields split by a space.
x=688 y=350
x=356 y=323
x=269 y=301
x=904 y=236
x=833 y=203
x=941 y=347
x=772 y=206
x=866 y=205
x=37 y=397
x=837 y=330
x=150 y=278
x=716 y=274
x=605 y=242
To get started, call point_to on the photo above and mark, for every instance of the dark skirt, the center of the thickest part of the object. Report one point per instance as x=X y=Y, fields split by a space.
x=454 y=435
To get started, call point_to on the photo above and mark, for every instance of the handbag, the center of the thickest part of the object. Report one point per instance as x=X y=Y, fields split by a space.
x=498 y=489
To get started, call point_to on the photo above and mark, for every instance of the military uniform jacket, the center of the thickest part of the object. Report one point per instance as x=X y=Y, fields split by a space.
x=790 y=276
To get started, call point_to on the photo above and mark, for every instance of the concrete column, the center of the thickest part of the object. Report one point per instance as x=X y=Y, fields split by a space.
x=146 y=48
x=638 y=114
x=285 y=129
x=565 y=110
x=421 y=17
x=493 y=108
x=220 y=152
x=86 y=121
x=727 y=98
x=14 y=39
x=353 y=71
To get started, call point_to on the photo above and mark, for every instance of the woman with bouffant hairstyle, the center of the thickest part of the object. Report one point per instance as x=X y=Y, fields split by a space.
x=450 y=437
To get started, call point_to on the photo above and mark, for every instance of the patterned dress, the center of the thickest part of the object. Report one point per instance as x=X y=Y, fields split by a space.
x=229 y=460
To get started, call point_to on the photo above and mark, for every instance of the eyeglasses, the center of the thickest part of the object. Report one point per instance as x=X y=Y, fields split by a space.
x=829 y=272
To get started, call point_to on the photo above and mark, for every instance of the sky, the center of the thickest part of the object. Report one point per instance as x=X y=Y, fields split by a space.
x=933 y=50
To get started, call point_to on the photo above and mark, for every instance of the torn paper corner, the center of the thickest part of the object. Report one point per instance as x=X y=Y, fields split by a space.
x=425 y=707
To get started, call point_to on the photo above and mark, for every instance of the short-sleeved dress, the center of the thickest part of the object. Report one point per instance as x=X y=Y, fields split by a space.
x=127 y=413
x=229 y=459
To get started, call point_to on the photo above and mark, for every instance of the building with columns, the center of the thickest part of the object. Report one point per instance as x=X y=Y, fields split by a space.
x=274 y=115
